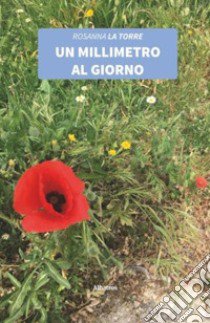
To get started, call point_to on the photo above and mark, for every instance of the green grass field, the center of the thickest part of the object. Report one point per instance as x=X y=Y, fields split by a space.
x=143 y=193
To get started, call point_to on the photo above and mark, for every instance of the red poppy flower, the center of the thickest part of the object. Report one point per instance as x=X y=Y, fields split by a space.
x=201 y=182
x=49 y=196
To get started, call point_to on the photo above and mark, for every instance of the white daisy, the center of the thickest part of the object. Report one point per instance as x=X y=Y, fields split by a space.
x=80 y=98
x=84 y=88
x=151 y=99
x=19 y=11
x=5 y=236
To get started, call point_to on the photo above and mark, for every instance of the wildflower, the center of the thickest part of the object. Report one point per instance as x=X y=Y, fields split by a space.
x=84 y=88
x=5 y=236
x=54 y=142
x=50 y=197
x=80 y=98
x=55 y=23
x=11 y=163
x=89 y=13
x=126 y=145
x=19 y=11
x=190 y=32
x=28 y=20
x=185 y=12
x=151 y=99
x=112 y=152
x=124 y=18
x=72 y=137
x=201 y=182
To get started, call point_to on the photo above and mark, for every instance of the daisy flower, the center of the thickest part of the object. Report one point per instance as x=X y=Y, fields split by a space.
x=5 y=236
x=19 y=11
x=80 y=98
x=151 y=99
x=84 y=88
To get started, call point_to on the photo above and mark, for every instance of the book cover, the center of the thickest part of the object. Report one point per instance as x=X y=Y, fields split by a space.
x=104 y=161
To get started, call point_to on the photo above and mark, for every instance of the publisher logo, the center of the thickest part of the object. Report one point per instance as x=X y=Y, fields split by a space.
x=178 y=305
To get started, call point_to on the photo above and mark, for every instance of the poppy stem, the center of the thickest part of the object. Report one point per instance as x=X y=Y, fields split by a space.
x=11 y=222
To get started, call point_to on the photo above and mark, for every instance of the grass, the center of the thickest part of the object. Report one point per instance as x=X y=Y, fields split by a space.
x=142 y=193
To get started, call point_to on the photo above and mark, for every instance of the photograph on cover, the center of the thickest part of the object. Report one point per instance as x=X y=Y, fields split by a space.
x=104 y=161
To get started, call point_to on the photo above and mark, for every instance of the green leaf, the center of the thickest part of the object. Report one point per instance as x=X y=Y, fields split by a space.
x=27 y=285
x=34 y=132
x=15 y=317
x=62 y=264
x=19 y=300
x=13 y=280
x=28 y=305
x=45 y=87
x=43 y=318
x=6 y=299
x=41 y=280
x=21 y=253
x=36 y=302
x=126 y=221
x=54 y=273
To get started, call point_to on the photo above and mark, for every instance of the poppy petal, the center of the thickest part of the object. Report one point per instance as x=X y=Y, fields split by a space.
x=26 y=195
x=40 y=222
x=80 y=209
x=65 y=172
